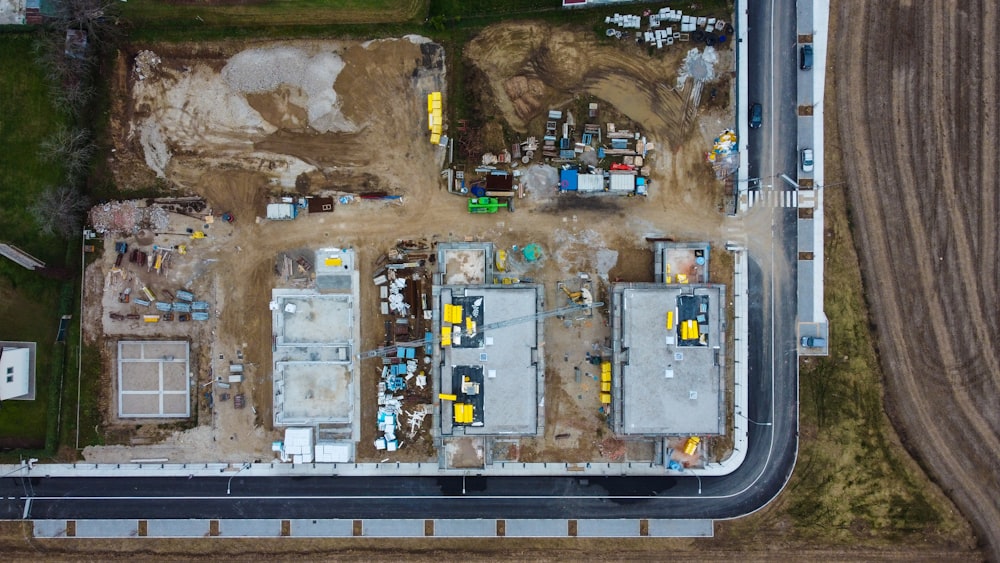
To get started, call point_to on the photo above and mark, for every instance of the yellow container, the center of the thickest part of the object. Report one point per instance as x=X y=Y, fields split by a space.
x=446 y=336
x=333 y=261
x=606 y=398
x=447 y=397
x=605 y=386
x=670 y=320
x=691 y=445
x=151 y=318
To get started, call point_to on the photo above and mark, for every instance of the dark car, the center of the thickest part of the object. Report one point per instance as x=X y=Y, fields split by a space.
x=756 y=116
x=806 y=57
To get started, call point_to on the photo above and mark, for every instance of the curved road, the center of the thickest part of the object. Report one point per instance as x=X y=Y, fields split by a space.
x=773 y=380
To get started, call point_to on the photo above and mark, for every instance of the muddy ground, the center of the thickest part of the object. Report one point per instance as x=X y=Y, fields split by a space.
x=211 y=120
x=923 y=191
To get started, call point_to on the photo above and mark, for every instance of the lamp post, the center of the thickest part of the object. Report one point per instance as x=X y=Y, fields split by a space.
x=696 y=477
x=229 y=484
x=751 y=421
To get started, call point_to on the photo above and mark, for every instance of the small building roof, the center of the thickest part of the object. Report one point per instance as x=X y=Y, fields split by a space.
x=15 y=372
x=320 y=204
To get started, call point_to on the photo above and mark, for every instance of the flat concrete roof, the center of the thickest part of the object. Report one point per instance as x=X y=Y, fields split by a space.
x=661 y=384
x=154 y=379
x=24 y=383
x=511 y=364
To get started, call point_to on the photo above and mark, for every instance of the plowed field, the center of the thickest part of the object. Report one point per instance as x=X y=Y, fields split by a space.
x=917 y=116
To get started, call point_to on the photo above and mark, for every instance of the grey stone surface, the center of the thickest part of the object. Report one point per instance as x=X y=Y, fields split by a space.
x=479 y=528
x=681 y=528
x=107 y=528
x=607 y=528
x=806 y=227
x=249 y=528
x=805 y=287
x=393 y=528
x=49 y=528
x=548 y=528
x=304 y=528
x=177 y=528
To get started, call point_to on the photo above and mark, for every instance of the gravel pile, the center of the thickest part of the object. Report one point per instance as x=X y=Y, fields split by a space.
x=265 y=70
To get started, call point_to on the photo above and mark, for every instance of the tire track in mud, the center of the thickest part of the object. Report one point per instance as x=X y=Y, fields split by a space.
x=925 y=197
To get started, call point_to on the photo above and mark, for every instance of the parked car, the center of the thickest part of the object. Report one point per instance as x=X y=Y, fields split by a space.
x=756 y=116
x=807 y=160
x=806 y=57
x=813 y=342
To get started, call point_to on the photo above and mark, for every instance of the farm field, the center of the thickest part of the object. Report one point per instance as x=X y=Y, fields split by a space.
x=924 y=198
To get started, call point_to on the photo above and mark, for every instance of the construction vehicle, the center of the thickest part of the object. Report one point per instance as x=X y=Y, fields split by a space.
x=501 y=260
x=446 y=330
x=582 y=297
x=488 y=205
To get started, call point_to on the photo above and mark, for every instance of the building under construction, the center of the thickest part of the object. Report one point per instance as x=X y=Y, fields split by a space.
x=668 y=359
x=487 y=363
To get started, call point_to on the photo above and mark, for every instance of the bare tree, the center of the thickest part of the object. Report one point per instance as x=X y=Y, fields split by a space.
x=71 y=147
x=59 y=211
x=99 y=18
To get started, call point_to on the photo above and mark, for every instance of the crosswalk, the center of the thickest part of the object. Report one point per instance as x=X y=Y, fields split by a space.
x=780 y=198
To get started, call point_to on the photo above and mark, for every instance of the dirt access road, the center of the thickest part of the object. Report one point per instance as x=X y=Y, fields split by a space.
x=916 y=115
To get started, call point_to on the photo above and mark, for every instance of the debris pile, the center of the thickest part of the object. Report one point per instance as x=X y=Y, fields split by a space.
x=725 y=154
x=125 y=217
x=145 y=62
x=397 y=303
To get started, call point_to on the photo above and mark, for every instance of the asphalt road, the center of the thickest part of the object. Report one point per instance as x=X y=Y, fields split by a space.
x=773 y=380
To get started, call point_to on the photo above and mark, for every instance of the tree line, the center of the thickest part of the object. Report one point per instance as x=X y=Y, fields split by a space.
x=71 y=65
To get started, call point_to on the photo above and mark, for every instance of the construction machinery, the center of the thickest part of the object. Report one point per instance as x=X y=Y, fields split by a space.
x=488 y=205
x=501 y=260
x=582 y=297
x=386 y=350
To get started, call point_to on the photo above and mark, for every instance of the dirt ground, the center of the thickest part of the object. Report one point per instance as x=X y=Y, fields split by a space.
x=923 y=193
x=210 y=120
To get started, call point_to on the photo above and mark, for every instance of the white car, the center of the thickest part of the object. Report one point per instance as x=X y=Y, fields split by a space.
x=807 y=160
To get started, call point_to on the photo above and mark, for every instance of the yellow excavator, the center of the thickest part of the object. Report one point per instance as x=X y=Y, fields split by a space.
x=582 y=297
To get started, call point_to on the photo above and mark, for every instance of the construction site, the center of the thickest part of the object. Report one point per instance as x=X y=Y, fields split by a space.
x=469 y=296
